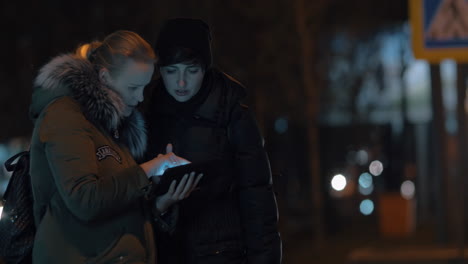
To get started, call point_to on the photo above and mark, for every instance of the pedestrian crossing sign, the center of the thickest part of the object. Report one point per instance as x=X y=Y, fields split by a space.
x=439 y=29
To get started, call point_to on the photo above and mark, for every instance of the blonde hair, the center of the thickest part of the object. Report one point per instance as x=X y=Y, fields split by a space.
x=113 y=52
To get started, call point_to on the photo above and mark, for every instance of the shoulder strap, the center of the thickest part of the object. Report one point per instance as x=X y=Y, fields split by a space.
x=9 y=166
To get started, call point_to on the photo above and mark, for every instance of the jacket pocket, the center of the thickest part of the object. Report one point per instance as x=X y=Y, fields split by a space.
x=124 y=249
x=222 y=252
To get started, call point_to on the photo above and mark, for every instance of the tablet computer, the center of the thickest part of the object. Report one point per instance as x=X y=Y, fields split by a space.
x=210 y=169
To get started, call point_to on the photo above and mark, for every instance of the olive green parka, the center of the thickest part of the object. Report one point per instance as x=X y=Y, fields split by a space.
x=90 y=201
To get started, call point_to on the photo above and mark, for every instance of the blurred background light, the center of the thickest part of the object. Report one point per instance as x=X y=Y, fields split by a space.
x=365 y=180
x=366 y=190
x=4 y=153
x=338 y=182
x=376 y=168
x=366 y=207
x=362 y=157
x=281 y=125
x=407 y=190
x=351 y=157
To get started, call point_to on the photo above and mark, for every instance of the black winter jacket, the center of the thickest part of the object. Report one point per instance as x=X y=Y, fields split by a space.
x=237 y=221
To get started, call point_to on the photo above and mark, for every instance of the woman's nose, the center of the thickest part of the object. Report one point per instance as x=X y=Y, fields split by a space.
x=181 y=83
x=140 y=96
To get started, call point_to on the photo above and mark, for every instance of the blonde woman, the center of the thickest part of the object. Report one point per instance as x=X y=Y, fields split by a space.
x=92 y=201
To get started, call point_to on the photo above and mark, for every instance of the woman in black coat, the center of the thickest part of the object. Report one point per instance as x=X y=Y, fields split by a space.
x=198 y=109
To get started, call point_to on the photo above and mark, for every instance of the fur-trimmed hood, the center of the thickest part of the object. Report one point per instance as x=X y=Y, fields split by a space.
x=69 y=75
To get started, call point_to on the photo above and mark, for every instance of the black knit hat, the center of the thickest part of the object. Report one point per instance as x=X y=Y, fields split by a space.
x=190 y=33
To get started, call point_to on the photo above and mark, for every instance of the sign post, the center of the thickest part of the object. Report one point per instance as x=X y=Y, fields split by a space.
x=440 y=31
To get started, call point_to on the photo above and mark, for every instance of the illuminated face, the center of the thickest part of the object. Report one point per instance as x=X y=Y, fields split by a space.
x=130 y=83
x=182 y=80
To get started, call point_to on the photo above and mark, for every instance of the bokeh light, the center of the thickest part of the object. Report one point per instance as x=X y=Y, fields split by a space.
x=366 y=207
x=365 y=180
x=338 y=182
x=376 y=168
x=362 y=157
x=407 y=190
x=366 y=190
x=281 y=125
x=351 y=157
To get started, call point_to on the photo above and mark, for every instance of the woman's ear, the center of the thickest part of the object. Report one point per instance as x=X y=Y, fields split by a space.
x=104 y=76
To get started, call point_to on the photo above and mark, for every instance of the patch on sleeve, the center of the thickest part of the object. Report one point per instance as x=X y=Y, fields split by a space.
x=106 y=151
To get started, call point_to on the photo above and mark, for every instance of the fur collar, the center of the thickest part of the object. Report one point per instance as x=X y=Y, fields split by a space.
x=76 y=77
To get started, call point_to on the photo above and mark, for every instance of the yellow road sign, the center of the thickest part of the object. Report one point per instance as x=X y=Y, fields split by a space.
x=439 y=29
